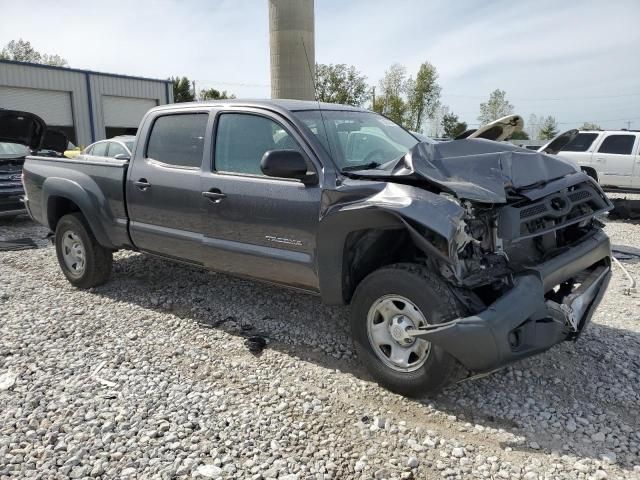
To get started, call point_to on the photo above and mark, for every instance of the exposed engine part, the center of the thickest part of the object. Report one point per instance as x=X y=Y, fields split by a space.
x=477 y=251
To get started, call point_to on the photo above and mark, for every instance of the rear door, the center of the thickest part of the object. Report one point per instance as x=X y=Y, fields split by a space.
x=163 y=187
x=614 y=159
x=258 y=226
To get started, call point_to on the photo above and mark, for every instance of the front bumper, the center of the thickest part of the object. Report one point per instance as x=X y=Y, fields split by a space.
x=523 y=322
x=11 y=205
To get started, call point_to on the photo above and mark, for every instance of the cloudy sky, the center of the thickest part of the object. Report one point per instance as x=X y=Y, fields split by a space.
x=576 y=60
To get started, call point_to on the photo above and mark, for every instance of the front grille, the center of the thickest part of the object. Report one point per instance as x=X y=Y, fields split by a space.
x=531 y=211
x=558 y=210
x=579 y=195
x=10 y=180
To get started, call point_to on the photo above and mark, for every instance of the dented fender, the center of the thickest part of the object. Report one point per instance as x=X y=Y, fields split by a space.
x=394 y=206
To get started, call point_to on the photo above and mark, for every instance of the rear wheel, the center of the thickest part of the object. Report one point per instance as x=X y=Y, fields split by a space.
x=386 y=304
x=82 y=259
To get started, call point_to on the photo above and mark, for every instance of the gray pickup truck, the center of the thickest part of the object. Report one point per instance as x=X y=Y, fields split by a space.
x=469 y=253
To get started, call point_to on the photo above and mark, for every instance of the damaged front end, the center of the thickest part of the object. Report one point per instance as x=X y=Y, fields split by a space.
x=528 y=259
x=532 y=272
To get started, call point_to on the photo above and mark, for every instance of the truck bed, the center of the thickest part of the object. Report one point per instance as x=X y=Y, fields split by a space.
x=95 y=187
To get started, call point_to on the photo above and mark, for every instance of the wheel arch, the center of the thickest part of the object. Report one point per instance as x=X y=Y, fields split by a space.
x=354 y=243
x=592 y=172
x=62 y=196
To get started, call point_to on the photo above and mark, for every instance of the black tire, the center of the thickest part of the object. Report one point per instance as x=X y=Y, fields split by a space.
x=97 y=259
x=430 y=295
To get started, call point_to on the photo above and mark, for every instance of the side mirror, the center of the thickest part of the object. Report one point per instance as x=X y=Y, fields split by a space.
x=122 y=156
x=287 y=164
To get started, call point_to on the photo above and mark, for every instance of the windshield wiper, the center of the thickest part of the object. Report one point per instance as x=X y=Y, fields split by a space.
x=365 y=166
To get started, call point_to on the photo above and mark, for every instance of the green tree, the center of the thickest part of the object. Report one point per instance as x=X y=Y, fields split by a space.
x=182 y=90
x=391 y=100
x=213 y=94
x=548 y=128
x=22 y=51
x=451 y=125
x=341 y=84
x=423 y=96
x=521 y=135
x=496 y=107
x=589 y=126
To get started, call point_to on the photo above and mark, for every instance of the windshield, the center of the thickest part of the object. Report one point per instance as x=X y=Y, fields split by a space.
x=358 y=139
x=13 y=150
x=129 y=145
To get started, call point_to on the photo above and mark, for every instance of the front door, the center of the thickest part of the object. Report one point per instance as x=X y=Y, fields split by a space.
x=163 y=187
x=255 y=225
x=614 y=161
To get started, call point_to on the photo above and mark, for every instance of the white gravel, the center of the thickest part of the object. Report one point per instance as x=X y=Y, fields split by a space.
x=149 y=377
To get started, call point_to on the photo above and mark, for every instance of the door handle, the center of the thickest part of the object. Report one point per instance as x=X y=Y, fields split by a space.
x=600 y=159
x=142 y=184
x=215 y=195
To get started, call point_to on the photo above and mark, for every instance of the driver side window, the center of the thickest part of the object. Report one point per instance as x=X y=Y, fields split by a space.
x=242 y=139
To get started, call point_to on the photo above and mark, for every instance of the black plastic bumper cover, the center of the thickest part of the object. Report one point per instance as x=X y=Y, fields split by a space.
x=11 y=205
x=521 y=322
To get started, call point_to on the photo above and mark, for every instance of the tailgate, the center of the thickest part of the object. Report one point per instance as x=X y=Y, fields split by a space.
x=95 y=186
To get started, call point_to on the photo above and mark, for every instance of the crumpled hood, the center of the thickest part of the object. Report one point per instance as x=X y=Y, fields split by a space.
x=474 y=169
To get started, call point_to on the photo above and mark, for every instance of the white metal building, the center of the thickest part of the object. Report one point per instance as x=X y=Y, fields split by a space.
x=86 y=105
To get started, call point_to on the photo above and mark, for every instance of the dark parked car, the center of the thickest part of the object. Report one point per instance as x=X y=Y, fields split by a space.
x=469 y=252
x=20 y=134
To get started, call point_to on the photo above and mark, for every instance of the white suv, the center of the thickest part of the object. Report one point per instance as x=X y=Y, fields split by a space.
x=611 y=156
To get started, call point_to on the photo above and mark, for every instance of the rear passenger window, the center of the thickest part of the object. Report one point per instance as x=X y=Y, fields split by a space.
x=178 y=139
x=99 y=149
x=618 y=144
x=242 y=139
x=581 y=143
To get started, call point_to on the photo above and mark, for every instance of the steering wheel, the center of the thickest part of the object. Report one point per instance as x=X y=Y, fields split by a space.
x=373 y=153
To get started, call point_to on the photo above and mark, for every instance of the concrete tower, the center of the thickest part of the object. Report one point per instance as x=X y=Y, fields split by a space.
x=291 y=23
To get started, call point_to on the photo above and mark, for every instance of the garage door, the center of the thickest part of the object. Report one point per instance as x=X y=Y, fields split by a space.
x=125 y=112
x=53 y=106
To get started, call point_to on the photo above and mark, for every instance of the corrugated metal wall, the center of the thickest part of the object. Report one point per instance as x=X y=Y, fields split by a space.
x=27 y=76
x=82 y=85
x=52 y=105
x=103 y=86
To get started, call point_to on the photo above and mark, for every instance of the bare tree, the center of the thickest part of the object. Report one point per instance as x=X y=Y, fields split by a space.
x=496 y=107
x=533 y=126
x=590 y=126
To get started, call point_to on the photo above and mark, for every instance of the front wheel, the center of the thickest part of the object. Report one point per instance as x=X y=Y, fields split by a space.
x=82 y=259
x=386 y=304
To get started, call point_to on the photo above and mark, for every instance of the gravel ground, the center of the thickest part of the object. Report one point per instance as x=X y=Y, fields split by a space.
x=149 y=376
